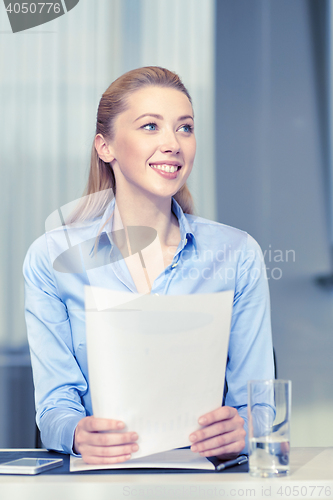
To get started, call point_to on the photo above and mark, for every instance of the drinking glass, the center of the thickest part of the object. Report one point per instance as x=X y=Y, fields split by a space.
x=269 y=407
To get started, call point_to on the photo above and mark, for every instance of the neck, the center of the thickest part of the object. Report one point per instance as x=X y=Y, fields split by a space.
x=154 y=213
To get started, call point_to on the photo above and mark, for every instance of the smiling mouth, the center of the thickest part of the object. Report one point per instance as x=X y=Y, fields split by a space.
x=166 y=168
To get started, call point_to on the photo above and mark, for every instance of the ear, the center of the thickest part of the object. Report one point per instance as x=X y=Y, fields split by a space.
x=104 y=150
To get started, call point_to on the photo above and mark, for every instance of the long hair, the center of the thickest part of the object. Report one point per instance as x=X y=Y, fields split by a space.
x=113 y=102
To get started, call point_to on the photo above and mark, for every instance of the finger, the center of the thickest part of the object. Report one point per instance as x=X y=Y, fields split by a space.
x=220 y=427
x=225 y=452
x=92 y=424
x=221 y=413
x=219 y=441
x=109 y=451
x=92 y=460
x=211 y=431
x=110 y=438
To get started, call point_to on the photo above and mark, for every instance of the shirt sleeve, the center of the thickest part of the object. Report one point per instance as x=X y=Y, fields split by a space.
x=58 y=380
x=250 y=354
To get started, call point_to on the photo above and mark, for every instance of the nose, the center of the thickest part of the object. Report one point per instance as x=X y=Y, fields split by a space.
x=170 y=143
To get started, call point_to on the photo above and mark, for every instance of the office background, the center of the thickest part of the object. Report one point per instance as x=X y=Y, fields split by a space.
x=258 y=72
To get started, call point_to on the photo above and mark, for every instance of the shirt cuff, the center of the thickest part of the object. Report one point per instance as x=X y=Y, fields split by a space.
x=68 y=434
x=242 y=411
x=57 y=430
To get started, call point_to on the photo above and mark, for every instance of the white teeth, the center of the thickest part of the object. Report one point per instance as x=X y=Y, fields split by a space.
x=165 y=168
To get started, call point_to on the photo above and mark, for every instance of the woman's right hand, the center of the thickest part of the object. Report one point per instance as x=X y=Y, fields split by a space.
x=97 y=445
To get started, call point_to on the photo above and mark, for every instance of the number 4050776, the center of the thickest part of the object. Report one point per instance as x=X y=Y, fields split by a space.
x=33 y=8
x=305 y=491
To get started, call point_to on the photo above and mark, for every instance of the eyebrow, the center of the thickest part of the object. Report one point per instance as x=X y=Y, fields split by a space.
x=160 y=117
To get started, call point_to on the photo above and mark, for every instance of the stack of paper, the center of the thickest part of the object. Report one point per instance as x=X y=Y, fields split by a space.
x=157 y=362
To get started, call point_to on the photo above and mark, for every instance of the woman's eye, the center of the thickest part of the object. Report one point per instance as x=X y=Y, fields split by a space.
x=150 y=126
x=186 y=128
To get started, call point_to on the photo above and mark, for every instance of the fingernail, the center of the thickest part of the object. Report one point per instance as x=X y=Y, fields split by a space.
x=134 y=436
x=194 y=448
x=193 y=437
x=135 y=447
x=202 y=420
x=120 y=425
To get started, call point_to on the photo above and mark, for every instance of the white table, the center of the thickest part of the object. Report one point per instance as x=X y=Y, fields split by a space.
x=311 y=477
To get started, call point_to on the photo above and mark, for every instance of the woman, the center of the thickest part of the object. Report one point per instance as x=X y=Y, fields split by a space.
x=143 y=153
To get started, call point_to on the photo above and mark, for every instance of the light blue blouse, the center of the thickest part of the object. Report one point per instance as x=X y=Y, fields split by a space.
x=210 y=257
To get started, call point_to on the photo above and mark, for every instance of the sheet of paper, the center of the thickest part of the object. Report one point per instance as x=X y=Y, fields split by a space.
x=157 y=362
x=173 y=459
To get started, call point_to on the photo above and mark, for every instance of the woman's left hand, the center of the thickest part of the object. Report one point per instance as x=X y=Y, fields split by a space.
x=222 y=436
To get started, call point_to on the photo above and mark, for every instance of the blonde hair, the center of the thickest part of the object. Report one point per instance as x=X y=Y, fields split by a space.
x=113 y=102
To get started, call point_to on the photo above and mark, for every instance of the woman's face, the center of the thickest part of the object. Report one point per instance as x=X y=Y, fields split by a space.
x=154 y=144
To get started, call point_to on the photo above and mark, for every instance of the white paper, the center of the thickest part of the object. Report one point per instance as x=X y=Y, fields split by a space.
x=173 y=459
x=157 y=362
